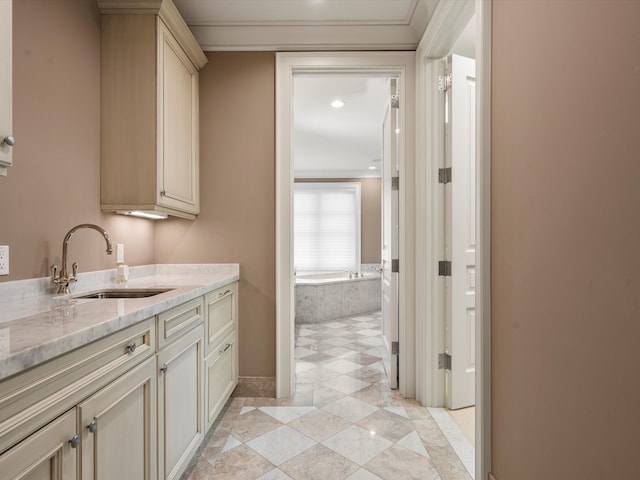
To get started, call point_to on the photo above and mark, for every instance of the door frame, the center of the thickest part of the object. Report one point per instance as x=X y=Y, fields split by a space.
x=402 y=65
x=445 y=26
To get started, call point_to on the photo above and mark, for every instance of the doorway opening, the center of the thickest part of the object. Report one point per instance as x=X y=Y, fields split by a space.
x=342 y=146
x=376 y=67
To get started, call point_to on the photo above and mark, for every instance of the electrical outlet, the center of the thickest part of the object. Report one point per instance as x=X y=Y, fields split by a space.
x=119 y=252
x=4 y=260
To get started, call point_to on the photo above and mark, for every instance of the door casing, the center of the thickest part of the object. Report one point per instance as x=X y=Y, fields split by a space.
x=447 y=22
x=392 y=64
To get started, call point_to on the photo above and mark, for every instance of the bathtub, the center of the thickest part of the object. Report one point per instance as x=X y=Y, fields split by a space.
x=330 y=295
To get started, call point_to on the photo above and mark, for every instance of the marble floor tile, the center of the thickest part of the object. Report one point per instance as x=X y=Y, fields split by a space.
x=386 y=425
x=317 y=375
x=319 y=463
x=350 y=409
x=323 y=396
x=275 y=474
x=346 y=384
x=240 y=462
x=398 y=462
x=447 y=463
x=253 y=424
x=341 y=366
x=281 y=444
x=363 y=474
x=319 y=425
x=287 y=414
x=412 y=442
x=357 y=444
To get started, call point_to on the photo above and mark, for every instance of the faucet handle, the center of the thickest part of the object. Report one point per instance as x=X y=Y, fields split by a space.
x=54 y=274
x=74 y=274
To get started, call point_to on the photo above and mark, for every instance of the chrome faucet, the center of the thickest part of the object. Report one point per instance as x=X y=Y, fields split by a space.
x=63 y=280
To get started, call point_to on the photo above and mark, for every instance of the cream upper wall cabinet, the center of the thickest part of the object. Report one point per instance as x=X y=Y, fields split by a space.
x=150 y=137
x=6 y=55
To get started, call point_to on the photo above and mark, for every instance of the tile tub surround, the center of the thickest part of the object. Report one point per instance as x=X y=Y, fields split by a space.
x=37 y=325
x=329 y=299
x=343 y=423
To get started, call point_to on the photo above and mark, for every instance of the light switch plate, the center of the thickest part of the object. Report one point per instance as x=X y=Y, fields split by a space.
x=4 y=260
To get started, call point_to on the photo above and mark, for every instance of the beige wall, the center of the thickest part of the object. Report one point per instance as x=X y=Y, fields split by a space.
x=565 y=239
x=54 y=183
x=237 y=195
x=370 y=213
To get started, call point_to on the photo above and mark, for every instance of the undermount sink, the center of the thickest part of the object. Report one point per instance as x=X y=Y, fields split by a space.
x=125 y=293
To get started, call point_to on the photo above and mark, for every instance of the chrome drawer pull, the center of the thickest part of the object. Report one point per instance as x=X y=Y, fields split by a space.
x=222 y=294
x=164 y=368
x=227 y=346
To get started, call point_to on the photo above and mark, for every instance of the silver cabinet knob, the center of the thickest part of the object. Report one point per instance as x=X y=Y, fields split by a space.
x=9 y=140
x=75 y=441
x=164 y=368
x=93 y=426
x=131 y=347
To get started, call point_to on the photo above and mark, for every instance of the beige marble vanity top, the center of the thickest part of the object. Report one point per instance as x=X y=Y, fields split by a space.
x=37 y=325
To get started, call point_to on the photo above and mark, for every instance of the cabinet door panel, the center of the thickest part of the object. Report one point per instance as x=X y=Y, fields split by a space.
x=221 y=376
x=44 y=455
x=122 y=444
x=180 y=392
x=179 y=121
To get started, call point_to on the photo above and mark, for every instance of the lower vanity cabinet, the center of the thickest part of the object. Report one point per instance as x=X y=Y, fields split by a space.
x=221 y=348
x=180 y=402
x=51 y=453
x=118 y=428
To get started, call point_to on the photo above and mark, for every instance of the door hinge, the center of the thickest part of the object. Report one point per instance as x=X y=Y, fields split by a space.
x=395 y=265
x=395 y=348
x=395 y=101
x=444 y=361
x=444 y=268
x=444 y=82
x=444 y=175
x=395 y=183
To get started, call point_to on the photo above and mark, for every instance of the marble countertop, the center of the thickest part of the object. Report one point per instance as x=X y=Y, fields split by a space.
x=37 y=325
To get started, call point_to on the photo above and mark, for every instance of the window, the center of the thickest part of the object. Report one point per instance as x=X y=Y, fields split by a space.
x=326 y=226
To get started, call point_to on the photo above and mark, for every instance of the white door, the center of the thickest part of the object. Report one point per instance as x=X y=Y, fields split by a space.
x=461 y=232
x=390 y=240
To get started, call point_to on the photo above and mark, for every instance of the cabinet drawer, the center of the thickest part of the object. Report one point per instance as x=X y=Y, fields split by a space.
x=178 y=321
x=221 y=377
x=221 y=314
x=31 y=399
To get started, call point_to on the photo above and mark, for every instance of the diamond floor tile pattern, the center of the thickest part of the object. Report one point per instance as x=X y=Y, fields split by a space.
x=343 y=423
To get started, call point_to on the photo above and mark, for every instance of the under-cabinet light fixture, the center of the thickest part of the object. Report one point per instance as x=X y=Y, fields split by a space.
x=141 y=214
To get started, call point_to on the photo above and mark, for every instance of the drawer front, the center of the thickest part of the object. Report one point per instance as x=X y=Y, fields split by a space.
x=178 y=321
x=32 y=398
x=221 y=315
x=221 y=377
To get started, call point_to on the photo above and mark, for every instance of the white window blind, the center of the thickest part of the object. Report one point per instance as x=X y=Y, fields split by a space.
x=326 y=226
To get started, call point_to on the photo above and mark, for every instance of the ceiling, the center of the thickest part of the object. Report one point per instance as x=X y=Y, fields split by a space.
x=299 y=25
x=328 y=142
x=338 y=142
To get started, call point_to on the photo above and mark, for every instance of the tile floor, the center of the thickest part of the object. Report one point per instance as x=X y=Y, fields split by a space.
x=342 y=423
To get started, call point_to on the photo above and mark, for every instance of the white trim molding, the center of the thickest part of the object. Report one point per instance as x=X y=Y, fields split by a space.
x=448 y=21
x=392 y=64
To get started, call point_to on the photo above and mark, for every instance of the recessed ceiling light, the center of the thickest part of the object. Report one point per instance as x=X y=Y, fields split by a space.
x=372 y=167
x=337 y=104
